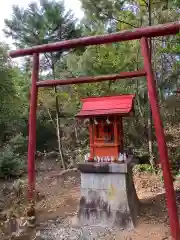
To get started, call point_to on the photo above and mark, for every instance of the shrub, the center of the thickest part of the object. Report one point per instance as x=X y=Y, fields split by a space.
x=144 y=168
x=10 y=163
x=18 y=144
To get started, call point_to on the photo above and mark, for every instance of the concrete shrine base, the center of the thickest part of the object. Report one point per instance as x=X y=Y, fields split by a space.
x=108 y=195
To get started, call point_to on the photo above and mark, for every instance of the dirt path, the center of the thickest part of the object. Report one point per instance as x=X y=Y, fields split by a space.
x=61 y=202
x=61 y=195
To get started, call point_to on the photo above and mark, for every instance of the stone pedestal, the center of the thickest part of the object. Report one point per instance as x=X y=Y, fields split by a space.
x=108 y=195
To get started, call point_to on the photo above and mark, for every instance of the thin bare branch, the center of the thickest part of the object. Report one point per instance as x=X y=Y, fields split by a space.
x=105 y=14
x=145 y=3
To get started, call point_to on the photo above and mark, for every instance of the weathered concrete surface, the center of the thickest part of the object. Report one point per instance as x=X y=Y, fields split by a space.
x=108 y=198
x=103 y=167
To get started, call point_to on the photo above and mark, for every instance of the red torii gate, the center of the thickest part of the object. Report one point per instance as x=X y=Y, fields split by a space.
x=141 y=33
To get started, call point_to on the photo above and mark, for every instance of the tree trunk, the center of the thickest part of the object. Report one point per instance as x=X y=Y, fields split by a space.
x=150 y=134
x=58 y=125
x=74 y=158
x=58 y=131
x=150 y=141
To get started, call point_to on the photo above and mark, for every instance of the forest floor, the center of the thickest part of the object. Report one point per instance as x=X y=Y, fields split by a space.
x=62 y=201
x=57 y=208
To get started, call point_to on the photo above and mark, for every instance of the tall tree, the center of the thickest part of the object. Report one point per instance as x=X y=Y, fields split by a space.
x=119 y=15
x=43 y=23
x=8 y=96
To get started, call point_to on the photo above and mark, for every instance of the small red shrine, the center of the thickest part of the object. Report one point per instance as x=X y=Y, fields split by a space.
x=105 y=124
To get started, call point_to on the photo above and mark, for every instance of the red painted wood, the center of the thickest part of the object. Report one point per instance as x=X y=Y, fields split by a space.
x=91 y=137
x=92 y=79
x=121 y=134
x=168 y=182
x=32 y=128
x=110 y=105
x=106 y=142
x=116 y=131
x=152 y=31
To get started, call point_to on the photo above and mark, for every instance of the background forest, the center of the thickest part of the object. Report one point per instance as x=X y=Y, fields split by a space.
x=58 y=131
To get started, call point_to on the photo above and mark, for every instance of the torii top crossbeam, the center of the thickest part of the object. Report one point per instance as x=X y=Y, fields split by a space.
x=152 y=31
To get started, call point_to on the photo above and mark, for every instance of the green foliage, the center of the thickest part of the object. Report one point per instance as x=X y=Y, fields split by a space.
x=178 y=175
x=12 y=156
x=48 y=21
x=112 y=13
x=144 y=168
x=10 y=163
x=40 y=23
x=18 y=144
x=8 y=113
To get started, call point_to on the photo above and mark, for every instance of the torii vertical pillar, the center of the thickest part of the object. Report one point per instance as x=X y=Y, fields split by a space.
x=168 y=182
x=32 y=127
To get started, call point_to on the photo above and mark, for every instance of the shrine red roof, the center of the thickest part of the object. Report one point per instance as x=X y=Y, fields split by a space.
x=110 y=105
